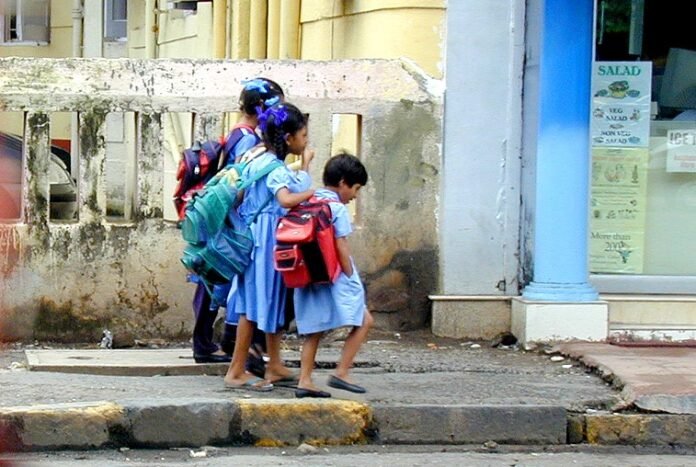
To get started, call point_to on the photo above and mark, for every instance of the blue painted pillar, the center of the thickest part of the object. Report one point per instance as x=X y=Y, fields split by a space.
x=562 y=161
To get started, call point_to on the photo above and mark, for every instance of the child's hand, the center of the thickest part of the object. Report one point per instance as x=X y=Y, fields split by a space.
x=307 y=157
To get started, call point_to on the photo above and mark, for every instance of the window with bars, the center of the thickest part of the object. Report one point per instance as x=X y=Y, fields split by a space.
x=24 y=22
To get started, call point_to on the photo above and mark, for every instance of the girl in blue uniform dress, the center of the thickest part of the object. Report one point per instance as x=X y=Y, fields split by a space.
x=259 y=295
x=322 y=307
x=257 y=95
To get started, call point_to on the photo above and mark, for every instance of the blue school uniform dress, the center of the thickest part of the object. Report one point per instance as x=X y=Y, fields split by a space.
x=321 y=307
x=259 y=293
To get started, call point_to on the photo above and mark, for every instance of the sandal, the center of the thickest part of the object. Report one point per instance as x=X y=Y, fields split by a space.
x=252 y=384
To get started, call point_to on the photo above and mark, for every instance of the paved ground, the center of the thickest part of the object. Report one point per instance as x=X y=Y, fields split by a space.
x=657 y=379
x=421 y=390
x=413 y=368
x=397 y=456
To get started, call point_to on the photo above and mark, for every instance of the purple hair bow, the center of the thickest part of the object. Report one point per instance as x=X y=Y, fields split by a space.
x=278 y=113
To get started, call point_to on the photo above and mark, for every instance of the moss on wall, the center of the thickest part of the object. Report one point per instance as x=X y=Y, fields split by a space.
x=64 y=323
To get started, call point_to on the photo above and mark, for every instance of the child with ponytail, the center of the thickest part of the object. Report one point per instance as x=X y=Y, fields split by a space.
x=260 y=294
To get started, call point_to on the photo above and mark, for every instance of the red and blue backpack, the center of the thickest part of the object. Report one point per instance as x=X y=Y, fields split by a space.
x=201 y=162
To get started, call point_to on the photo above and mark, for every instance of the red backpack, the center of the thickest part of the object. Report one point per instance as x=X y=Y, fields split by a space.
x=305 y=251
x=201 y=162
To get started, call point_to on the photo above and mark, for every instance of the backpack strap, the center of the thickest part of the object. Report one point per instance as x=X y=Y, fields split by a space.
x=252 y=153
x=245 y=126
x=270 y=167
x=238 y=131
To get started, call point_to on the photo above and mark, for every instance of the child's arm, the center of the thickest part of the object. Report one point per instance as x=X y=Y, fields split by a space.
x=288 y=199
x=343 y=251
x=307 y=157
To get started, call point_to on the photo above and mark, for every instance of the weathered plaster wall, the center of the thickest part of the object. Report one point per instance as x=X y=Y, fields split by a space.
x=66 y=281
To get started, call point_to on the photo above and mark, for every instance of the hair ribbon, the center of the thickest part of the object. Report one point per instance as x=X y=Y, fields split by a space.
x=256 y=84
x=279 y=114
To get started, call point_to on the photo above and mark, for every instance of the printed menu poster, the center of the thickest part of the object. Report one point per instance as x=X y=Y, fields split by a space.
x=681 y=151
x=621 y=104
x=617 y=209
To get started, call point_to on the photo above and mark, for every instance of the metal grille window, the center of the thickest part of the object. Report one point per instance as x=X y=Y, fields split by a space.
x=24 y=21
x=116 y=19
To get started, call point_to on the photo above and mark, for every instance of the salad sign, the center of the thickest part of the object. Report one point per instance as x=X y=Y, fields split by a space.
x=621 y=104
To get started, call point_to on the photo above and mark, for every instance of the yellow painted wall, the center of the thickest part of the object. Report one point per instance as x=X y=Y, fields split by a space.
x=136 y=29
x=326 y=29
x=186 y=35
x=375 y=29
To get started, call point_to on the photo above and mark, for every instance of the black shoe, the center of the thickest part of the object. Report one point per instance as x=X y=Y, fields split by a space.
x=300 y=393
x=338 y=383
x=212 y=358
x=255 y=365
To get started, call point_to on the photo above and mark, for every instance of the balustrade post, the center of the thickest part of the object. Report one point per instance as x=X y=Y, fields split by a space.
x=36 y=188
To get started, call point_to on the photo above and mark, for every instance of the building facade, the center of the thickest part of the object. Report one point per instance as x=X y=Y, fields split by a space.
x=581 y=230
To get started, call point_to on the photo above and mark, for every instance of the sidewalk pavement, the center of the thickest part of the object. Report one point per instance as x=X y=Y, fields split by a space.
x=421 y=390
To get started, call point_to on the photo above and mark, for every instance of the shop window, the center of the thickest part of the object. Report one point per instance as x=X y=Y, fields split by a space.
x=24 y=21
x=643 y=188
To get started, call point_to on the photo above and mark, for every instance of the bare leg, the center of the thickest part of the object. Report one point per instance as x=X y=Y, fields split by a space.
x=275 y=368
x=309 y=354
x=236 y=374
x=351 y=346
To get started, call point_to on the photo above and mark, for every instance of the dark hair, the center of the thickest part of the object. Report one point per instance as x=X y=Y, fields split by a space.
x=259 y=93
x=344 y=167
x=278 y=121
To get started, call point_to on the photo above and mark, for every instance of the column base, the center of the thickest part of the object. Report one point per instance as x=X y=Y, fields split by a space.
x=543 y=321
x=563 y=292
x=470 y=316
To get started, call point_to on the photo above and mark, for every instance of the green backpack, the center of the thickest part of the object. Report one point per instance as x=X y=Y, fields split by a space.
x=219 y=241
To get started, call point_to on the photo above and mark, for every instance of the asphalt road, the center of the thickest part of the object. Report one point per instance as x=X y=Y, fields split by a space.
x=365 y=455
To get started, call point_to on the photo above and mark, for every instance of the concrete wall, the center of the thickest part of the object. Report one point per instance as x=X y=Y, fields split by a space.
x=67 y=280
x=479 y=223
